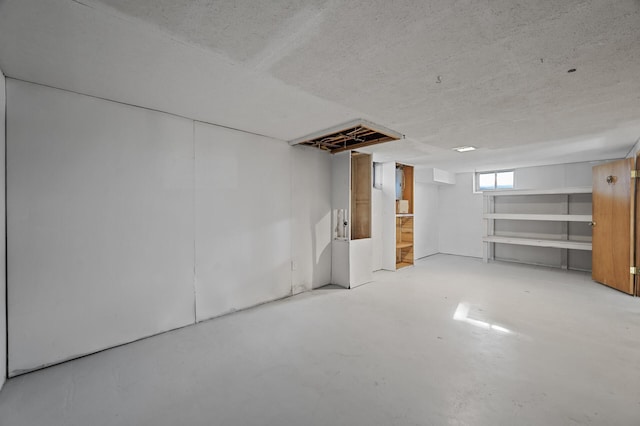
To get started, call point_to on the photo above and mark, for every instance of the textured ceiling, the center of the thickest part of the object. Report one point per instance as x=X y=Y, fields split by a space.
x=445 y=73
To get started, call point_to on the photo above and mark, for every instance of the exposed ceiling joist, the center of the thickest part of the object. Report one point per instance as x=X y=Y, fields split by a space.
x=351 y=135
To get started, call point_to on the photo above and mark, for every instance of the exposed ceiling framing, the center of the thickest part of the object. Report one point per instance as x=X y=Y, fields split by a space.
x=352 y=135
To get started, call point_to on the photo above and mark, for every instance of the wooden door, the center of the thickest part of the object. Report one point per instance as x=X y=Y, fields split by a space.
x=361 y=168
x=613 y=232
x=637 y=232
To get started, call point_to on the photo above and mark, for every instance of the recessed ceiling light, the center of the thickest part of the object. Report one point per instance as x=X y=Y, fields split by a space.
x=465 y=148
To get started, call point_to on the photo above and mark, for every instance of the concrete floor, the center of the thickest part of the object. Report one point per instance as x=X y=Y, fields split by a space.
x=451 y=341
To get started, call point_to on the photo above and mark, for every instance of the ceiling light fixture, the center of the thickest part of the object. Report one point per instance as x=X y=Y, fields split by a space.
x=465 y=148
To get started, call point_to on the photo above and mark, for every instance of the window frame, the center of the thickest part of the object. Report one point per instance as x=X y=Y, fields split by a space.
x=476 y=180
x=376 y=175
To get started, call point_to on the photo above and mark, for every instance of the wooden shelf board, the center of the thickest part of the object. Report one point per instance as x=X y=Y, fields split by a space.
x=573 y=190
x=403 y=265
x=575 y=245
x=546 y=217
x=403 y=245
x=404 y=214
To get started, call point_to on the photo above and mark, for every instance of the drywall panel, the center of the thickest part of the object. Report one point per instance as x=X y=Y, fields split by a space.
x=433 y=175
x=376 y=229
x=3 y=281
x=242 y=220
x=360 y=255
x=311 y=206
x=389 y=216
x=554 y=176
x=100 y=224
x=425 y=220
x=340 y=263
x=340 y=199
x=460 y=218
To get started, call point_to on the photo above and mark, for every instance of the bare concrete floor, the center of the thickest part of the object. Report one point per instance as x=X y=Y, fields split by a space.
x=451 y=341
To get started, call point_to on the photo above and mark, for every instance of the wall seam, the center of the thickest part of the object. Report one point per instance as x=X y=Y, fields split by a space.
x=292 y=229
x=6 y=240
x=193 y=216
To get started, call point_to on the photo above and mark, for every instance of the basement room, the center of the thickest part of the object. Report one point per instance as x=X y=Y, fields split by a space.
x=319 y=212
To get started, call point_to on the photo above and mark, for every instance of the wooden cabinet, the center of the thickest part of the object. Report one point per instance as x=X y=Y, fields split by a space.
x=404 y=240
x=361 y=167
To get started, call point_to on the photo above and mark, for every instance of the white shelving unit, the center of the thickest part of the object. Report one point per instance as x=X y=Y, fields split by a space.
x=563 y=242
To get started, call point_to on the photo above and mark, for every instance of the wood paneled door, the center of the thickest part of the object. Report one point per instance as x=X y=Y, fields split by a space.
x=613 y=251
x=637 y=231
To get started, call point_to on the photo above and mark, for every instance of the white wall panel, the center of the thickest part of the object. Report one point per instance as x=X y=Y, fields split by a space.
x=555 y=176
x=100 y=224
x=376 y=229
x=340 y=199
x=243 y=220
x=460 y=218
x=311 y=207
x=426 y=231
x=388 y=214
x=3 y=282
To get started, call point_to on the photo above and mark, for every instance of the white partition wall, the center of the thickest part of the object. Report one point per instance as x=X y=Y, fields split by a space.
x=311 y=207
x=125 y=222
x=389 y=216
x=3 y=283
x=340 y=200
x=426 y=219
x=243 y=220
x=100 y=224
x=460 y=218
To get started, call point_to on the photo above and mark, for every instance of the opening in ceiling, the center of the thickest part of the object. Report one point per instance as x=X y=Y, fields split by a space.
x=348 y=136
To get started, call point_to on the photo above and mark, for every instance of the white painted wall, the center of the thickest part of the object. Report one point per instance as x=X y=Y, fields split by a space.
x=100 y=224
x=126 y=222
x=460 y=218
x=426 y=232
x=555 y=176
x=340 y=199
x=376 y=228
x=3 y=282
x=243 y=220
x=311 y=205
x=388 y=214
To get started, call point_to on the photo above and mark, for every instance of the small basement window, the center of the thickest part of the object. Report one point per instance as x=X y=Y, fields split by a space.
x=487 y=181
